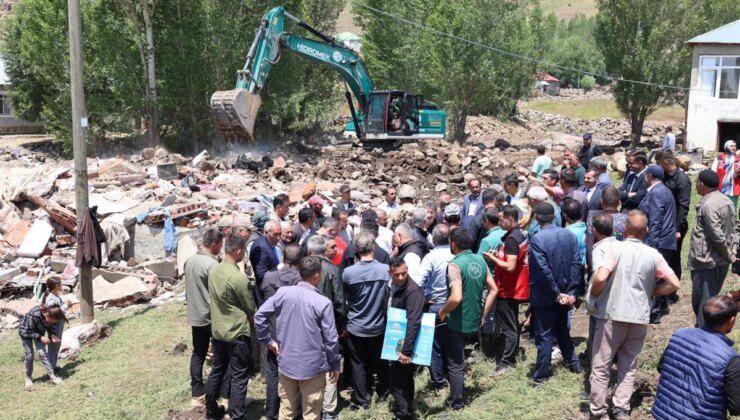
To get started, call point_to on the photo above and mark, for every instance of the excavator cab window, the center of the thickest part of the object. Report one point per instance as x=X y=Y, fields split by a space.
x=376 y=113
x=411 y=114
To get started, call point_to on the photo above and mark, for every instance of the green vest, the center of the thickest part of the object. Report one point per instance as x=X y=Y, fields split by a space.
x=466 y=317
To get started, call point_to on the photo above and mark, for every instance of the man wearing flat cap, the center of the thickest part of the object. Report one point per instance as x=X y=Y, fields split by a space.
x=345 y=202
x=554 y=274
x=713 y=242
x=660 y=209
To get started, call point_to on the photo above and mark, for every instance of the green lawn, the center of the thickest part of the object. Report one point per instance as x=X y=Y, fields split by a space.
x=567 y=9
x=601 y=108
x=133 y=375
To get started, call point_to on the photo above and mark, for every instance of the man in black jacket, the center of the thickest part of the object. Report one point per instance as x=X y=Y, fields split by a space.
x=475 y=227
x=634 y=188
x=680 y=185
x=406 y=295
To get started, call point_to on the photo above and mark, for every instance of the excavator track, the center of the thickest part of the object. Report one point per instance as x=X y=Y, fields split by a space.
x=235 y=112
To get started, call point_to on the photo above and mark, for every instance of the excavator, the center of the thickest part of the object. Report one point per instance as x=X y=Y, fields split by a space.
x=383 y=118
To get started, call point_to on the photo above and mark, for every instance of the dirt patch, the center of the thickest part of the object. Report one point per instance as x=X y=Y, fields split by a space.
x=194 y=414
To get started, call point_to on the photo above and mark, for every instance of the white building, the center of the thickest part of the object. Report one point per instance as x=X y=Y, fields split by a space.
x=714 y=106
x=9 y=124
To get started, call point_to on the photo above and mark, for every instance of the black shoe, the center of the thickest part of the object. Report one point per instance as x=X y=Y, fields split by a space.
x=439 y=386
x=655 y=319
x=217 y=413
x=621 y=414
x=576 y=369
x=57 y=371
x=536 y=382
x=673 y=298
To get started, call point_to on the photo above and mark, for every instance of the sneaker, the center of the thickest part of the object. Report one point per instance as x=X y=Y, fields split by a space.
x=500 y=370
x=29 y=384
x=56 y=380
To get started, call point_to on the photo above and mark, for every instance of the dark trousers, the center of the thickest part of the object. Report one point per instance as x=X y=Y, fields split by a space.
x=551 y=322
x=660 y=303
x=438 y=365
x=455 y=353
x=704 y=285
x=402 y=388
x=675 y=261
x=507 y=314
x=201 y=340
x=366 y=363
x=234 y=355
x=272 y=399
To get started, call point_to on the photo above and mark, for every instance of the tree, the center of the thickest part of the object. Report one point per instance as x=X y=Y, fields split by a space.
x=464 y=79
x=141 y=15
x=573 y=45
x=587 y=82
x=644 y=40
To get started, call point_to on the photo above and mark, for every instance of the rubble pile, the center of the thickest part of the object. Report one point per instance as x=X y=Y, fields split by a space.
x=604 y=129
x=569 y=94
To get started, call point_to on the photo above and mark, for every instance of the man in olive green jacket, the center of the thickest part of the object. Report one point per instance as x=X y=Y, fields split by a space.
x=713 y=242
x=232 y=309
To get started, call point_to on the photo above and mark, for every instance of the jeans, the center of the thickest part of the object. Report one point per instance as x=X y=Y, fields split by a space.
x=455 y=354
x=366 y=363
x=272 y=379
x=28 y=344
x=704 y=285
x=52 y=352
x=234 y=355
x=402 y=388
x=437 y=367
x=201 y=341
x=552 y=322
x=507 y=312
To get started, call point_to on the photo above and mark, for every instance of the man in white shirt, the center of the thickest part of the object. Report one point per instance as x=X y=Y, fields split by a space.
x=390 y=200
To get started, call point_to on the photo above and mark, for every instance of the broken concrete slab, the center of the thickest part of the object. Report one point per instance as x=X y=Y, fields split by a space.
x=36 y=240
x=19 y=307
x=122 y=293
x=162 y=267
x=186 y=247
x=9 y=273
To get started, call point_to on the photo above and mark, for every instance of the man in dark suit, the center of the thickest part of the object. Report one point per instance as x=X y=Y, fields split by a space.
x=592 y=190
x=634 y=188
x=660 y=208
x=554 y=273
x=263 y=254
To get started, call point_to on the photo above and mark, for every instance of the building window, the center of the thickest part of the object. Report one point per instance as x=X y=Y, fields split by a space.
x=719 y=77
x=5 y=105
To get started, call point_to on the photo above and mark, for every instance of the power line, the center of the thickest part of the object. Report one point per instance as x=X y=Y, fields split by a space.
x=519 y=56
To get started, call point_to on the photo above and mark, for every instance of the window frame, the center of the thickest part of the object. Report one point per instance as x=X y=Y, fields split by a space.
x=717 y=68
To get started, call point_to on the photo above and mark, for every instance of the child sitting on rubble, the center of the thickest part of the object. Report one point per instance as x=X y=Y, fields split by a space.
x=51 y=297
x=33 y=329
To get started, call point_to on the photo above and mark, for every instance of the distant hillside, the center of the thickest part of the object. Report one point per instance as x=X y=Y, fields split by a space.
x=567 y=9
x=346 y=22
x=6 y=7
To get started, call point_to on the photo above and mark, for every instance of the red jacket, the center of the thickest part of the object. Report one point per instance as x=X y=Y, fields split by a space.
x=721 y=174
x=514 y=285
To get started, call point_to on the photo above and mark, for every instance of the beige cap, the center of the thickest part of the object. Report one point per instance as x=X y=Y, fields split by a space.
x=406 y=191
x=226 y=221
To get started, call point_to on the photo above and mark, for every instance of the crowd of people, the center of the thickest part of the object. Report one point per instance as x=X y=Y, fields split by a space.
x=307 y=300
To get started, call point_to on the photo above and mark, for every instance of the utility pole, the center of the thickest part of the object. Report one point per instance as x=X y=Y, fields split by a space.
x=79 y=126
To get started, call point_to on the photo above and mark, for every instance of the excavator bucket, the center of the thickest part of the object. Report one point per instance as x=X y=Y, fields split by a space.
x=235 y=112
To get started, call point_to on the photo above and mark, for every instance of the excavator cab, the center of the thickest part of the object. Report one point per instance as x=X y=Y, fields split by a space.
x=392 y=113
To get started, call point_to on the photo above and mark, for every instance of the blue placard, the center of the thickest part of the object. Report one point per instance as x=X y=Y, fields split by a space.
x=395 y=333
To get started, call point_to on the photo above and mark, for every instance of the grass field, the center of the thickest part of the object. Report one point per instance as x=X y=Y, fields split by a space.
x=567 y=9
x=601 y=108
x=134 y=375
